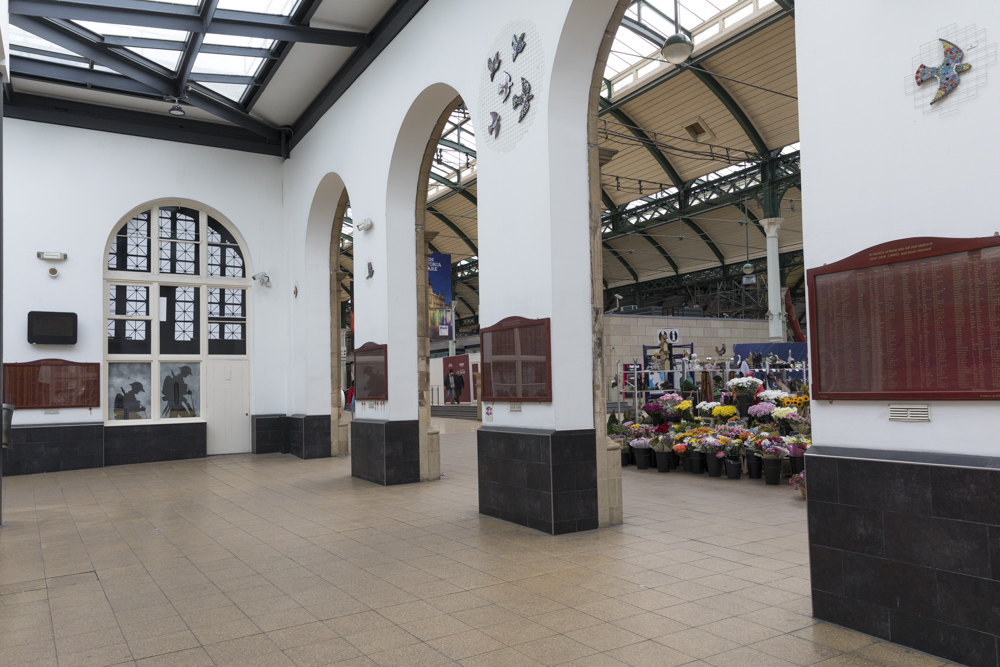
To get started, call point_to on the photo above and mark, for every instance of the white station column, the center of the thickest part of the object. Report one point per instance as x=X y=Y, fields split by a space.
x=775 y=328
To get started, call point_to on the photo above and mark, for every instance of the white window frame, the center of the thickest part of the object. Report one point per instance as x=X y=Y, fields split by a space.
x=153 y=279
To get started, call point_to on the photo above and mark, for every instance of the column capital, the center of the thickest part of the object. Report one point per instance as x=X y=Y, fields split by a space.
x=771 y=225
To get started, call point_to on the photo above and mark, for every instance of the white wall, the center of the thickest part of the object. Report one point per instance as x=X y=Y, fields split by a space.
x=879 y=169
x=66 y=190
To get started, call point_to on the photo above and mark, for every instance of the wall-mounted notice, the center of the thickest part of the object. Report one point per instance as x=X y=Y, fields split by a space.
x=913 y=319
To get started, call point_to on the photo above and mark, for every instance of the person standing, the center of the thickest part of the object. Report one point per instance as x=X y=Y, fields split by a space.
x=459 y=386
x=449 y=386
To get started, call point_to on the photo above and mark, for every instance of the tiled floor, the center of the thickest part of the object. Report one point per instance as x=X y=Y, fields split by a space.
x=268 y=560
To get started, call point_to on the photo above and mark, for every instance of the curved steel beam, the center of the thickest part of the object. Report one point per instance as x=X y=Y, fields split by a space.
x=453 y=227
x=471 y=309
x=727 y=101
x=656 y=244
x=644 y=31
x=617 y=255
x=608 y=201
x=752 y=217
x=460 y=189
x=660 y=158
x=706 y=238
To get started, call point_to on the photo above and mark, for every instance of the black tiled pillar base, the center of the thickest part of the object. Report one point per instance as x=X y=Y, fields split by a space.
x=545 y=480
x=54 y=448
x=147 y=443
x=385 y=452
x=906 y=546
x=305 y=436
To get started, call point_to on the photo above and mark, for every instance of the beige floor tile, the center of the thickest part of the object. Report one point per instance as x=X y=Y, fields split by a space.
x=224 y=632
x=436 y=627
x=518 y=632
x=649 y=654
x=415 y=655
x=195 y=657
x=746 y=657
x=605 y=637
x=834 y=637
x=796 y=650
x=506 y=657
x=555 y=650
x=301 y=635
x=160 y=644
x=381 y=640
x=331 y=651
x=106 y=655
x=697 y=643
x=892 y=655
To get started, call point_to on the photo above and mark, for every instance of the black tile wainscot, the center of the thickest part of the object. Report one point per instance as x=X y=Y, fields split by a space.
x=54 y=448
x=385 y=452
x=542 y=479
x=267 y=434
x=905 y=546
x=147 y=443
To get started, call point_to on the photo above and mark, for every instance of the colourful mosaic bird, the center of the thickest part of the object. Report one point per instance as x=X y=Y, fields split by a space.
x=946 y=73
x=517 y=45
x=493 y=64
x=524 y=100
x=494 y=128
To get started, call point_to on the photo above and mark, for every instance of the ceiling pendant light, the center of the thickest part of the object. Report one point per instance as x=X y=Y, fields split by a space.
x=678 y=46
x=177 y=109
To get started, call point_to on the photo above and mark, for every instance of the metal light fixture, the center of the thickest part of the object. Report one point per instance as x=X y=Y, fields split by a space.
x=56 y=256
x=678 y=46
x=748 y=267
x=264 y=279
x=177 y=109
x=365 y=224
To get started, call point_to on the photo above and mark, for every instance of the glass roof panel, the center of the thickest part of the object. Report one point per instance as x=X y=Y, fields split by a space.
x=189 y=3
x=168 y=59
x=237 y=40
x=233 y=91
x=120 y=30
x=216 y=63
x=281 y=7
x=48 y=59
x=19 y=37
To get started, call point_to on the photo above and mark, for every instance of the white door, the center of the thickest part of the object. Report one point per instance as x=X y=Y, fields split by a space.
x=227 y=409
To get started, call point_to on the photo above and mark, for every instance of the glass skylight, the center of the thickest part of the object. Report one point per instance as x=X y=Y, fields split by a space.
x=238 y=40
x=168 y=59
x=280 y=7
x=233 y=91
x=133 y=31
x=216 y=63
x=20 y=37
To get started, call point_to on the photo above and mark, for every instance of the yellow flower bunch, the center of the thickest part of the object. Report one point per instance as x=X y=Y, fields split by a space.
x=683 y=405
x=795 y=401
x=724 y=411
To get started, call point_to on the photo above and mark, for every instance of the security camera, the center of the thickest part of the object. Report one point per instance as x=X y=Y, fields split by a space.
x=264 y=279
x=619 y=296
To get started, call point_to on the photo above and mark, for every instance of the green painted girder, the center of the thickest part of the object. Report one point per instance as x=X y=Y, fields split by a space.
x=644 y=31
x=471 y=309
x=458 y=189
x=661 y=159
x=617 y=255
x=706 y=238
x=474 y=290
x=656 y=244
x=457 y=146
x=752 y=217
x=702 y=56
x=734 y=109
x=453 y=227
x=608 y=201
x=433 y=249
x=787 y=5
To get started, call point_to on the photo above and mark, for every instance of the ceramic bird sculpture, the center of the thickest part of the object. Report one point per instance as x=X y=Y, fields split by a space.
x=494 y=128
x=523 y=100
x=946 y=73
x=504 y=87
x=493 y=64
x=517 y=45
x=721 y=351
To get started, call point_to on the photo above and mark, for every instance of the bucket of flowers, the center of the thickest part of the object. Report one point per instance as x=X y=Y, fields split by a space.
x=725 y=413
x=760 y=439
x=661 y=443
x=797 y=446
x=704 y=410
x=773 y=396
x=695 y=459
x=713 y=447
x=782 y=416
x=744 y=389
x=733 y=453
x=798 y=481
x=640 y=448
x=772 y=450
x=684 y=412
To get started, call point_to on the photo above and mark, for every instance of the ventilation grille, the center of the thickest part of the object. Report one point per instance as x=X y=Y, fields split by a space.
x=909 y=413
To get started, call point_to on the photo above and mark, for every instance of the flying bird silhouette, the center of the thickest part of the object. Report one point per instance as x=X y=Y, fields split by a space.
x=493 y=64
x=503 y=89
x=524 y=100
x=494 y=128
x=517 y=44
x=946 y=73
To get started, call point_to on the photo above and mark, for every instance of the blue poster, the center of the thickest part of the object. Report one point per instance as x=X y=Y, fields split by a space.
x=439 y=311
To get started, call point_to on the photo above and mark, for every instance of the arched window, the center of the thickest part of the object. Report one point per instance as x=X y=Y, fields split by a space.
x=176 y=299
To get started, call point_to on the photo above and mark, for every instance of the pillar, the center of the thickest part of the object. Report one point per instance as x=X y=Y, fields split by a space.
x=775 y=321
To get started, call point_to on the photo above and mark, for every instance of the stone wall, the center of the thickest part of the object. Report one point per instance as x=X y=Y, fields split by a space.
x=627 y=334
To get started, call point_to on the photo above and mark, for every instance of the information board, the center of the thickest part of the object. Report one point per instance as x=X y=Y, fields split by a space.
x=911 y=319
x=52 y=383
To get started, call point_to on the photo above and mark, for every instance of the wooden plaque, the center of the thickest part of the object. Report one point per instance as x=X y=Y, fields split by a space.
x=915 y=319
x=517 y=361
x=371 y=372
x=52 y=383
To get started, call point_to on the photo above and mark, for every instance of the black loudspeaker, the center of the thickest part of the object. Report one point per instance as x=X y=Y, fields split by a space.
x=51 y=328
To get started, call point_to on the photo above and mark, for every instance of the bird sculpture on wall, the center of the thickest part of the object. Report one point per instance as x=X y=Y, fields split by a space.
x=947 y=73
x=493 y=64
x=517 y=45
x=504 y=87
x=523 y=100
x=494 y=128
x=371 y=270
x=721 y=351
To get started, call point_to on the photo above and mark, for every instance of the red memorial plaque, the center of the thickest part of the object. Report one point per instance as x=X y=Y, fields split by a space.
x=910 y=319
x=52 y=383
